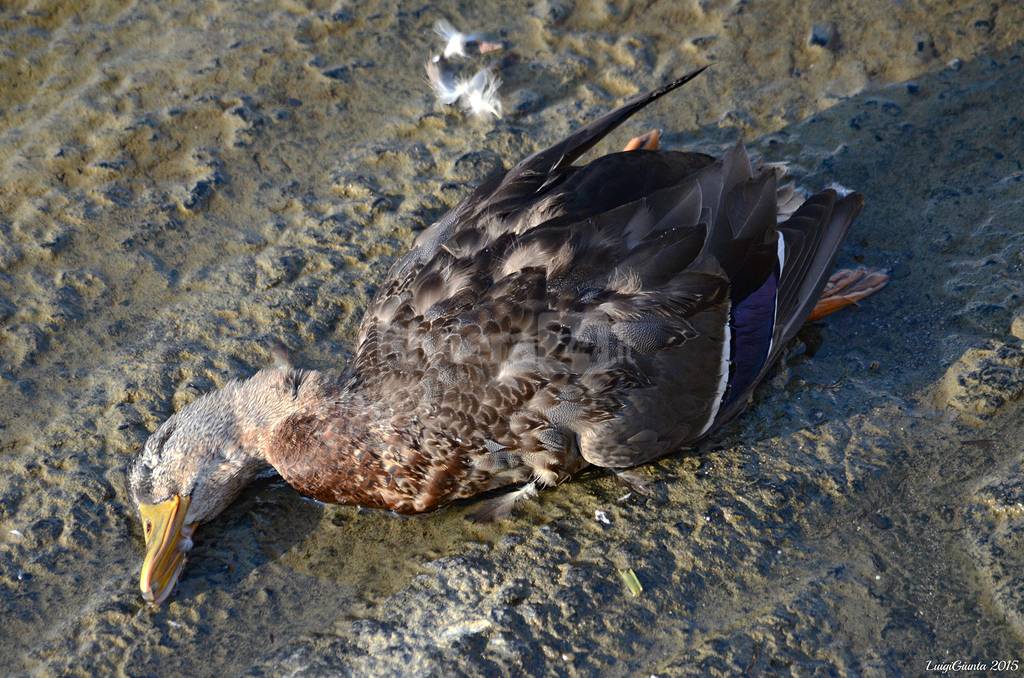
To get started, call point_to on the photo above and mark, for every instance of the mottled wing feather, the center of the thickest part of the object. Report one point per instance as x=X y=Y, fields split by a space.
x=551 y=317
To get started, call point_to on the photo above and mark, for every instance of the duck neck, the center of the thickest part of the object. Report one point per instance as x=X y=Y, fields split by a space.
x=268 y=398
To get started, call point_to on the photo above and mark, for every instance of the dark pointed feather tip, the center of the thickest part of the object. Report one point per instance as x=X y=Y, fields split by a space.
x=680 y=81
x=692 y=74
x=857 y=198
x=854 y=200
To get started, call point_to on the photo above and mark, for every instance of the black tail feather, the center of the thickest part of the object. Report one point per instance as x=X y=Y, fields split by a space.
x=823 y=228
x=572 y=147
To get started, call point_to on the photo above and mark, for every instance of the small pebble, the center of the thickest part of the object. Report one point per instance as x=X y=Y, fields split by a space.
x=1017 y=327
x=822 y=35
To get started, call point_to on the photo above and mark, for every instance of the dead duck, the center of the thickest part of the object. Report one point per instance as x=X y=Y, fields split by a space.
x=562 y=316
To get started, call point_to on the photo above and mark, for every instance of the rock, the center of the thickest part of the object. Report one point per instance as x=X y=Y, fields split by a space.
x=995 y=536
x=984 y=379
x=342 y=73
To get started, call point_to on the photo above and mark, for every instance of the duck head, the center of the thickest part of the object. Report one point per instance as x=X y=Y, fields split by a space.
x=198 y=462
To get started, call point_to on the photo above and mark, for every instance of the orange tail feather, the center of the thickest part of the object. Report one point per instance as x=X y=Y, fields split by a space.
x=846 y=287
x=649 y=141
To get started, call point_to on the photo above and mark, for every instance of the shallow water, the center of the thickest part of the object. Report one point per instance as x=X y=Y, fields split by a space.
x=183 y=183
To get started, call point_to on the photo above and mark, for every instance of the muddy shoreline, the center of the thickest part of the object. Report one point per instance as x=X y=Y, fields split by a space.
x=183 y=183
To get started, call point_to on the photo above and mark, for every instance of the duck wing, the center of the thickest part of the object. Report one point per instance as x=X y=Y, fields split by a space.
x=766 y=315
x=609 y=312
x=510 y=201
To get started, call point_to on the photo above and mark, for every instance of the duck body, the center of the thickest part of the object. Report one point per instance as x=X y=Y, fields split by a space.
x=561 y=316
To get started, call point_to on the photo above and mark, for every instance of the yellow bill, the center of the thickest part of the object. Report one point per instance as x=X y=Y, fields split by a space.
x=168 y=539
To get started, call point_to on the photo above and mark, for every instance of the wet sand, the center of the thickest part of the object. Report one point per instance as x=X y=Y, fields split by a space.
x=184 y=182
